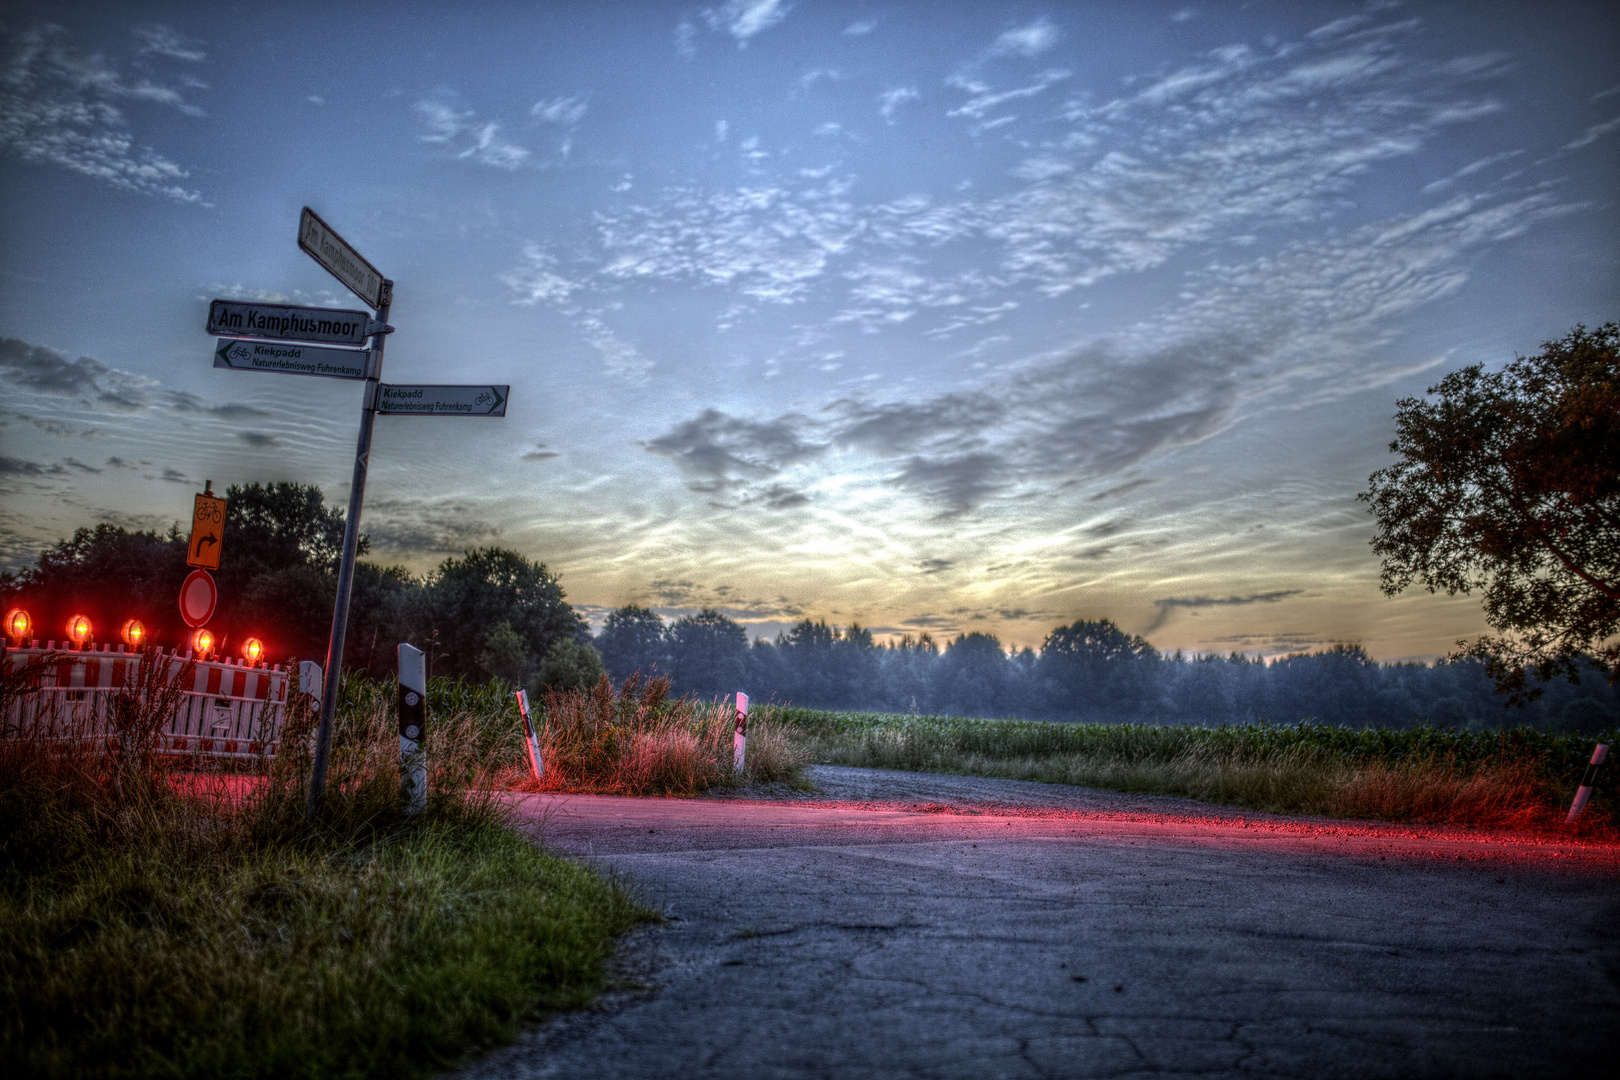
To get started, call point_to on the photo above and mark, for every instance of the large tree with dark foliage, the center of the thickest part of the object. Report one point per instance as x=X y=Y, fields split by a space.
x=708 y=654
x=1509 y=483
x=1093 y=668
x=632 y=640
x=468 y=599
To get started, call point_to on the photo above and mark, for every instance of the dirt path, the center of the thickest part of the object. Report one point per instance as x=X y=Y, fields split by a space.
x=911 y=925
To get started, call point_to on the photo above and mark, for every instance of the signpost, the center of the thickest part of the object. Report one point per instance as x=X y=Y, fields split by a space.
x=328 y=326
x=207 y=531
x=290 y=325
x=404 y=400
x=283 y=359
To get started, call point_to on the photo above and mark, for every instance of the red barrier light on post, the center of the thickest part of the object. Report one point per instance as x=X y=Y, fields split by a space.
x=252 y=649
x=78 y=630
x=18 y=625
x=133 y=633
x=202 y=643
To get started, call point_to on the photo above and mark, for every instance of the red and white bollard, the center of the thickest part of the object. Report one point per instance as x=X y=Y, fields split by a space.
x=530 y=740
x=739 y=742
x=1585 y=791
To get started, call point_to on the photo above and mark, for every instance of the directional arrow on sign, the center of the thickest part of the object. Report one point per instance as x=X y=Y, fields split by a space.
x=293 y=359
x=402 y=400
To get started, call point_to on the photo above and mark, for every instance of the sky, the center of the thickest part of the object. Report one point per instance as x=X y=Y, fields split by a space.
x=932 y=317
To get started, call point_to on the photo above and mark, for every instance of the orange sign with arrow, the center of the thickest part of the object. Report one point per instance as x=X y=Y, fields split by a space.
x=207 y=532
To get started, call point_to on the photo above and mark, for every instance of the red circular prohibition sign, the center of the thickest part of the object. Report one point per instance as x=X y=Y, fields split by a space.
x=198 y=595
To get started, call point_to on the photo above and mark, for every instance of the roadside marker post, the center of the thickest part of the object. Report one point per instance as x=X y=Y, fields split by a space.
x=1584 y=793
x=739 y=741
x=531 y=740
x=412 y=728
x=290 y=327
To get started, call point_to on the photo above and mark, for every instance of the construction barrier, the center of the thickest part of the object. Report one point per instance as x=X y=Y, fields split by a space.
x=234 y=709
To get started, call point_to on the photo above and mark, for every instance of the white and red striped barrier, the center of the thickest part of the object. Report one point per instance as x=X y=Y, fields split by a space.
x=234 y=709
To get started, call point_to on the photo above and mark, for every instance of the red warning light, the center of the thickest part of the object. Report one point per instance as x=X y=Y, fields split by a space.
x=78 y=629
x=18 y=625
x=202 y=642
x=252 y=649
x=133 y=633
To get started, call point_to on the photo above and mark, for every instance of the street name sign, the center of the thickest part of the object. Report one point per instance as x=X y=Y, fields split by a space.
x=402 y=400
x=331 y=326
x=326 y=247
x=293 y=359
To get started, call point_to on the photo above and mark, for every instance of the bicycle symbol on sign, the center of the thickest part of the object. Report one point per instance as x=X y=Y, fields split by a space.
x=483 y=399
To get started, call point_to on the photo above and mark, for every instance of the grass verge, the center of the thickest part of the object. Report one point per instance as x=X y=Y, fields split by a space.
x=149 y=928
x=1519 y=777
x=634 y=740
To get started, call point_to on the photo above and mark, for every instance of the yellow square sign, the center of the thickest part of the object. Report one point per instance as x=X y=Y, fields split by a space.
x=207 y=532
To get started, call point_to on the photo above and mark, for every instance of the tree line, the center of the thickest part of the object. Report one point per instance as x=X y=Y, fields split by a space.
x=1089 y=670
x=491 y=613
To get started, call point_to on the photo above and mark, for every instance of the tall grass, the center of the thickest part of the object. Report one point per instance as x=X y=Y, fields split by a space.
x=640 y=741
x=159 y=925
x=633 y=740
x=1516 y=777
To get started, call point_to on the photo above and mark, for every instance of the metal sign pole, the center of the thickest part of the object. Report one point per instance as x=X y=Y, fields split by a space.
x=351 y=544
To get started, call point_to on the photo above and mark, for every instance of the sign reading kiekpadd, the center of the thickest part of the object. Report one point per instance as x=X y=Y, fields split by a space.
x=400 y=399
x=331 y=326
x=293 y=359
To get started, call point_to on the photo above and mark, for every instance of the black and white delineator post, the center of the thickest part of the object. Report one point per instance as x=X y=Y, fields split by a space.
x=530 y=740
x=1585 y=791
x=412 y=728
x=739 y=742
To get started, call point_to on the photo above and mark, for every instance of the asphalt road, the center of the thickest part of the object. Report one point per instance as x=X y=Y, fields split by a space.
x=918 y=926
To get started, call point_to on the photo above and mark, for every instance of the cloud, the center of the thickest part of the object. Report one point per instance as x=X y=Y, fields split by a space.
x=1593 y=134
x=890 y=100
x=184 y=402
x=258 y=440
x=1240 y=142
x=743 y=19
x=60 y=106
x=566 y=111
x=442 y=527
x=41 y=370
x=985 y=99
x=1294 y=327
x=536 y=280
x=540 y=453
x=860 y=28
x=159 y=40
x=466 y=136
x=1031 y=40
x=716 y=451
x=676 y=596
x=10 y=466
x=1163 y=607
